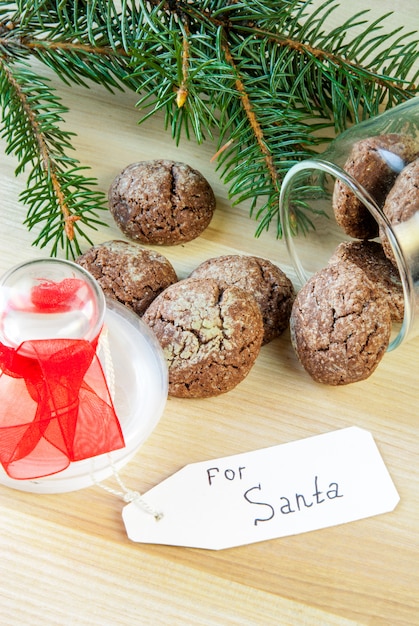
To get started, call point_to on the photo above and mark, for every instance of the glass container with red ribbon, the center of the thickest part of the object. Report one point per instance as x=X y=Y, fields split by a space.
x=82 y=380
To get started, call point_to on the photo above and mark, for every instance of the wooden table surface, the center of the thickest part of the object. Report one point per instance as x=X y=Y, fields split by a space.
x=65 y=559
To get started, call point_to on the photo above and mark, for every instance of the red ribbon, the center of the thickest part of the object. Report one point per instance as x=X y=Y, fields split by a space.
x=55 y=407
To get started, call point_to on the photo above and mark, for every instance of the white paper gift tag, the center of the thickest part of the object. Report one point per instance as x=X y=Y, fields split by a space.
x=283 y=490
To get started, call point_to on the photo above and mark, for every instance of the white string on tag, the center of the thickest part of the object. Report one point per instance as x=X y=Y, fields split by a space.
x=127 y=495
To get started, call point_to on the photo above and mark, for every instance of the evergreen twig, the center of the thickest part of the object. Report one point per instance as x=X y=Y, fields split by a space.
x=265 y=75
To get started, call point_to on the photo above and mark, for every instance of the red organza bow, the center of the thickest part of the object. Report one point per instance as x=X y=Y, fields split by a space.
x=55 y=407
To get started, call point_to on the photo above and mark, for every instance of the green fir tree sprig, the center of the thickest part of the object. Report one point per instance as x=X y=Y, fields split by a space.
x=265 y=78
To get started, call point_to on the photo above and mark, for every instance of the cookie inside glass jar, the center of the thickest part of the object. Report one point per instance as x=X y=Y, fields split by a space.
x=374 y=163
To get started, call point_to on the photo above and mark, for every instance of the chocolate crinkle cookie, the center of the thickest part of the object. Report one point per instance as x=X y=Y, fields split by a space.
x=161 y=202
x=370 y=258
x=128 y=273
x=340 y=325
x=402 y=204
x=269 y=285
x=210 y=335
x=375 y=163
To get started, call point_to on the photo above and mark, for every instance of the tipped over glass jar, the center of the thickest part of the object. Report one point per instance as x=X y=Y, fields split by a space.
x=363 y=188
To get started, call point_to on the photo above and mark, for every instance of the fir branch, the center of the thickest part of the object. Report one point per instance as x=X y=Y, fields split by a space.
x=57 y=193
x=265 y=75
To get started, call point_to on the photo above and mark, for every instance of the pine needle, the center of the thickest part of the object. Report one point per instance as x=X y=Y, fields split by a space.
x=265 y=77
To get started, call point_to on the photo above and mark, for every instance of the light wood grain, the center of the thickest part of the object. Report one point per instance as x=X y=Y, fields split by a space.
x=65 y=559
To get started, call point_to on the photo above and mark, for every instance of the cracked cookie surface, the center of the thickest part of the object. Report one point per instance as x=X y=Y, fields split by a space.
x=402 y=204
x=128 y=273
x=269 y=285
x=374 y=163
x=340 y=325
x=161 y=202
x=369 y=256
x=210 y=335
